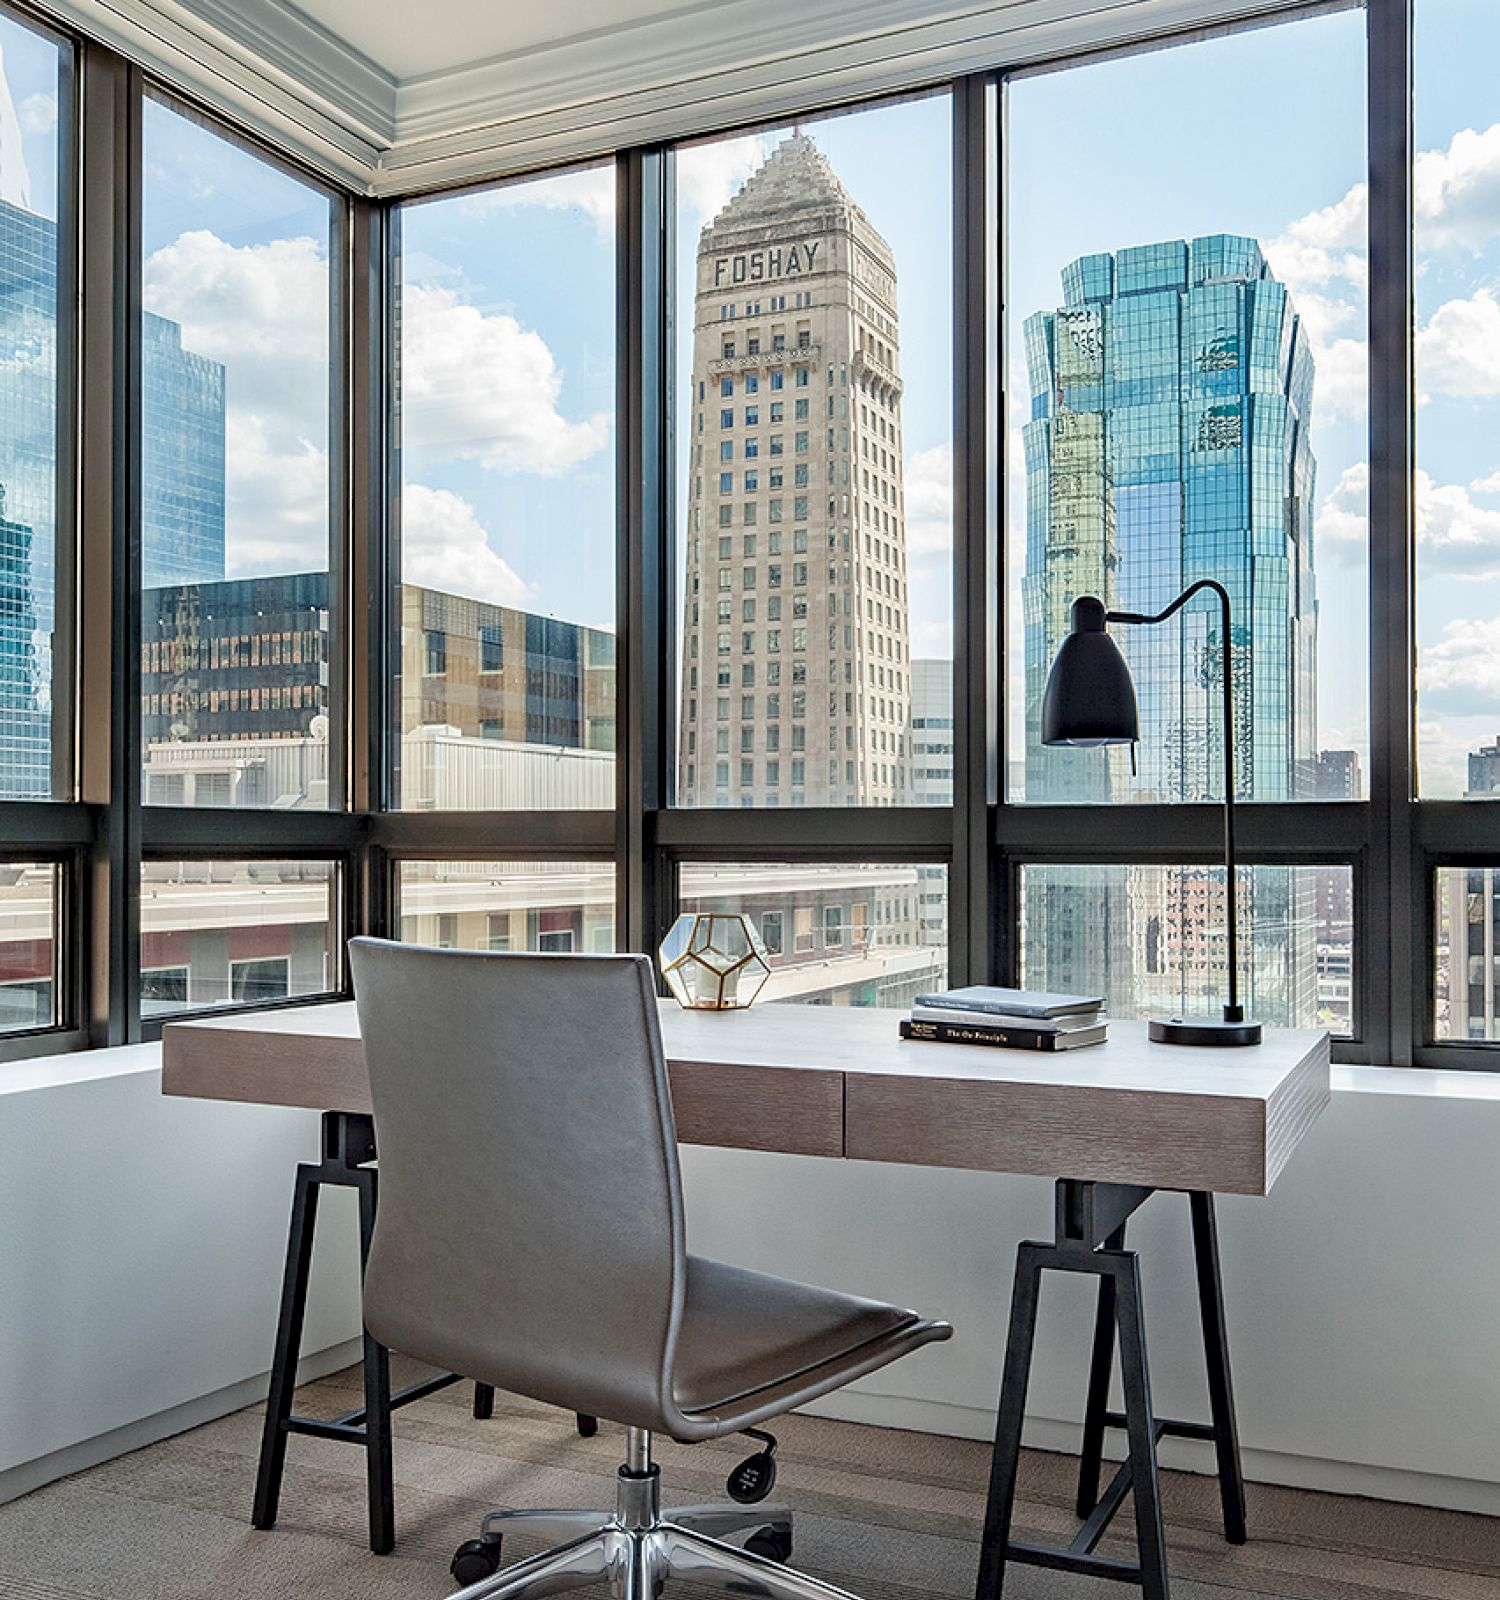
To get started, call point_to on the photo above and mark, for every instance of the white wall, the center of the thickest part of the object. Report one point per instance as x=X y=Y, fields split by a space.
x=142 y=1240
x=141 y=1247
x=1363 y=1295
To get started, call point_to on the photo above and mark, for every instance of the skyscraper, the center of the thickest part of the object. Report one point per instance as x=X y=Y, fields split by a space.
x=1171 y=396
x=182 y=443
x=1170 y=405
x=796 y=670
x=25 y=749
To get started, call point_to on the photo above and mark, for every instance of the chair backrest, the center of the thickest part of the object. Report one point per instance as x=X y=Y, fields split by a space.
x=529 y=1231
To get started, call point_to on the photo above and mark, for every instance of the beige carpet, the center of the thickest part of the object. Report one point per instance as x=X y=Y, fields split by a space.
x=893 y=1516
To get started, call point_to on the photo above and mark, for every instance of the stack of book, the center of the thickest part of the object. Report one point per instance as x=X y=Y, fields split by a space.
x=1015 y=1019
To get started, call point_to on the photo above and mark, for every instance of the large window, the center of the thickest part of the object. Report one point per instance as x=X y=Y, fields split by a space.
x=234 y=933
x=562 y=907
x=857 y=935
x=814 y=461
x=240 y=684
x=28 y=945
x=1457 y=249
x=1151 y=940
x=1186 y=345
x=35 y=451
x=507 y=519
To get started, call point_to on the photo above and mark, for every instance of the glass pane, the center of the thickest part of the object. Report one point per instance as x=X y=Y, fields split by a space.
x=507 y=393
x=1457 y=256
x=815 y=458
x=235 y=490
x=34 y=80
x=1188 y=400
x=836 y=935
x=236 y=933
x=1152 y=940
x=28 y=932
x=1468 y=954
x=556 y=906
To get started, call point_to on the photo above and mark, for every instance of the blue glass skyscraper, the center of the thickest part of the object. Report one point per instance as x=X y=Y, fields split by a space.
x=182 y=426
x=1170 y=403
x=1171 y=395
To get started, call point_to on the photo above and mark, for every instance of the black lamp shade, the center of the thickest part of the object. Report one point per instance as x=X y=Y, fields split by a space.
x=1090 y=696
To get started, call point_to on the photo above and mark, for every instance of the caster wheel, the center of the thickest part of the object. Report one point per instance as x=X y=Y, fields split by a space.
x=475 y=1560
x=774 y=1543
x=753 y=1479
x=587 y=1426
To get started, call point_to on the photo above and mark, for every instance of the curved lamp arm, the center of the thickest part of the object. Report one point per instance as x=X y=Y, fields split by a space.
x=1233 y=1011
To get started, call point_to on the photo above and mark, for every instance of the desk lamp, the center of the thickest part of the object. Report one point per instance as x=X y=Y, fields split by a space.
x=1090 y=701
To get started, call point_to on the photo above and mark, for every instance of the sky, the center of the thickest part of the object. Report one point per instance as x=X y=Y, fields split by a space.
x=507 y=425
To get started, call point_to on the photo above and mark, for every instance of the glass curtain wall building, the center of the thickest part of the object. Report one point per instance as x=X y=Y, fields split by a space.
x=1171 y=395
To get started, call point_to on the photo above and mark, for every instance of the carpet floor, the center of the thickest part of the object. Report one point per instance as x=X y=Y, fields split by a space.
x=890 y=1515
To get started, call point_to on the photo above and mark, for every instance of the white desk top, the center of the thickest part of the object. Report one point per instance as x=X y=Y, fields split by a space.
x=836 y=1081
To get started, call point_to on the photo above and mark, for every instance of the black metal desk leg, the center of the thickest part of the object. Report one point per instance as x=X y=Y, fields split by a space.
x=1216 y=1355
x=484 y=1401
x=1006 y=1461
x=379 y=1468
x=288 y=1344
x=1101 y=1363
x=1140 y=1421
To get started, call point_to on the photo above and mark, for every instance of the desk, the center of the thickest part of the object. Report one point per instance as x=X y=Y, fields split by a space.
x=1111 y=1124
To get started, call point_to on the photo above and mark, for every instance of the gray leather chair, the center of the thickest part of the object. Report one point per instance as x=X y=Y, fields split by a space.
x=530 y=1235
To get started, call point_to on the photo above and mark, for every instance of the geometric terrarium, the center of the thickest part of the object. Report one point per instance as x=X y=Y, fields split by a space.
x=714 y=961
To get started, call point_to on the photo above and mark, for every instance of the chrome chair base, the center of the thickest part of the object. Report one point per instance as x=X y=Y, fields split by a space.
x=638 y=1548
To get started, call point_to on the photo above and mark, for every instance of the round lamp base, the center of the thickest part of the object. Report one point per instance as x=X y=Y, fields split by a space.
x=1211 y=1031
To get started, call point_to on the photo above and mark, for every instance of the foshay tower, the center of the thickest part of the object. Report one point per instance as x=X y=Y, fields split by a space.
x=796 y=667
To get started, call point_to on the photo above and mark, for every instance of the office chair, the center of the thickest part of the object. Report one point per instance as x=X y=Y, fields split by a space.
x=531 y=1236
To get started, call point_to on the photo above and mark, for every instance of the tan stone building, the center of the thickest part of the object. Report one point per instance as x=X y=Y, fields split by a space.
x=796 y=663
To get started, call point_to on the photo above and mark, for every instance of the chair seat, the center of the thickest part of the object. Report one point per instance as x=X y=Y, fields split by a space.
x=751 y=1345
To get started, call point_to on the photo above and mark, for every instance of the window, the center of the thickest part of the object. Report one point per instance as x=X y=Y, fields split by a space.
x=238 y=617
x=507 y=507
x=904 y=282
x=1456 y=245
x=35 y=448
x=1150 y=939
x=437 y=652
x=1193 y=405
x=861 y=935
x=29 y=992
x=231 y=933
x=507 y=905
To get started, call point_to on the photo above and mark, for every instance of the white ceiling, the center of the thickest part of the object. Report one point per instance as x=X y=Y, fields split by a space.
x=410 y=41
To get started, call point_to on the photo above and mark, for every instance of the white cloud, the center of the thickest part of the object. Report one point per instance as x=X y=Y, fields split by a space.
x=1341 y=382
x=477 y=386
x=444 y=546
x=709 y=174
x=1454 y=535
x=1342 y=529
x=589 y=189
x=929 y=502
x=1457 y=191
x=277 y=494
x=38 y=113
x=1458 y=352
x=1460 y=675
x=1326 y=246
x=261 y=310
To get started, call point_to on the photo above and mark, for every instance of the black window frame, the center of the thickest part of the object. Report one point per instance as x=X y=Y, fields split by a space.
x=1391 y=842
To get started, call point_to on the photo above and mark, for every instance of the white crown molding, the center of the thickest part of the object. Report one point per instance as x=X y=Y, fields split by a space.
x=692 y=73
x=697 y=68
x=263 y=64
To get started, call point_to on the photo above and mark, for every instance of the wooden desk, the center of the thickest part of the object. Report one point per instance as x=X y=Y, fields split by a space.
x=1111 y=1123
x=835 y=1081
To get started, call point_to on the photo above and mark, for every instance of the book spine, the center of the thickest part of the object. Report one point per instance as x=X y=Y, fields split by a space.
x=981 y=1010
x=957 y=1033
